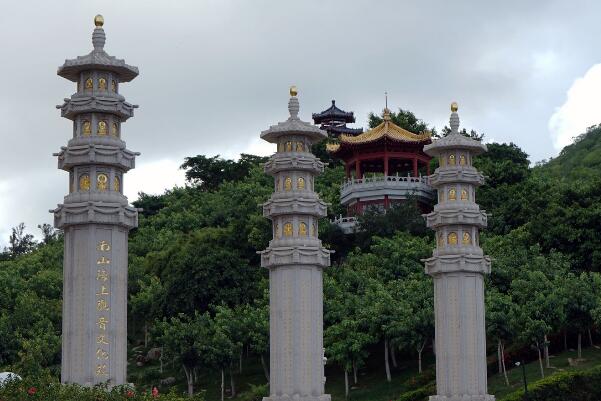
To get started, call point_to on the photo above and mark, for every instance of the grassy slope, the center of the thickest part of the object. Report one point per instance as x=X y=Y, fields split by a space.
x=559 y=363
x=372 y=385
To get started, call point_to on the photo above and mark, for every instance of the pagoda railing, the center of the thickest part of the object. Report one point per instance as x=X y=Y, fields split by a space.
x=394 y=186
x=383 y=178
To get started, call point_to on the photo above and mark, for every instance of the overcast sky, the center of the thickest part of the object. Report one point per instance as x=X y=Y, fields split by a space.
x=213 y=74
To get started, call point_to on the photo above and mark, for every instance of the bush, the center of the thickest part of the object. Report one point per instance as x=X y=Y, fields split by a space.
x=255 y=393
x=566 y=386
x=421 y=380
x=45 y=390
x=421 y=394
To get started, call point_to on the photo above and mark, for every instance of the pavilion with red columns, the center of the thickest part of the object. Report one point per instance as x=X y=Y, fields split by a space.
x=384 y=165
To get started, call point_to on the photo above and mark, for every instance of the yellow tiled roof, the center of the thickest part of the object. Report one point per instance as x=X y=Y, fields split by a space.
x=332 y=147
x=386 y=129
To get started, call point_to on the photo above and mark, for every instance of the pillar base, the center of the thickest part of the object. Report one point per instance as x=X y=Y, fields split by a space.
x=298 y=397
x=485 y=397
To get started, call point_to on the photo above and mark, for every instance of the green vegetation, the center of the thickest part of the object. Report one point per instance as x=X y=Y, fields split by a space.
x=198 y=294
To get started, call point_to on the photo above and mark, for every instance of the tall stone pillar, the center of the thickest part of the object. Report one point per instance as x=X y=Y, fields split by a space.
x=458 y=266
x=96 y=218
x=295 y=259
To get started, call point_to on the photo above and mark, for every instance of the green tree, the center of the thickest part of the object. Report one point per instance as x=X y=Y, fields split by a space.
x=404 y=119
x=208 y=173
x=185 y=339
x=499 y=308
x=580 y=304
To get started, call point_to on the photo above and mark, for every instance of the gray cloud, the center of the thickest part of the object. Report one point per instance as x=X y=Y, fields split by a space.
x=213 y=74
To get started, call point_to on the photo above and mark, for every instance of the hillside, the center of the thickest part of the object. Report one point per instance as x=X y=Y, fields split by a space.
x=197 y=291
x=580 y=159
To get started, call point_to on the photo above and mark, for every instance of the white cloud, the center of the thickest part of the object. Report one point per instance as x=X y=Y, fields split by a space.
x=581 y=109
x=153 y=178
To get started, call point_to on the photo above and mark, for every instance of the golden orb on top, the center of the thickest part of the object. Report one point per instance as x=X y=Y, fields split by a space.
x=454 y=107
x=99 y=20
x=293 y=90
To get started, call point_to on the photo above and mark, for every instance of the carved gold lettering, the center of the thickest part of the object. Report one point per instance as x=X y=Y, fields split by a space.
x=103 y=246
x=102 y=322
x=103 y=291
x=103 y=261
x=102 y=305
x=102 y=275
x=101 y=339
x=101 y=370
x=102 y=354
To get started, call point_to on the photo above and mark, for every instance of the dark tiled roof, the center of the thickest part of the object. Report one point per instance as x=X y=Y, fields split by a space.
x=335 y=114
x=342 y=130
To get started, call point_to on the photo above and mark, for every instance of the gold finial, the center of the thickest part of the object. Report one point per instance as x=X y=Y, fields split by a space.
x=99 y=20
x=454 y=107
x=293 y=90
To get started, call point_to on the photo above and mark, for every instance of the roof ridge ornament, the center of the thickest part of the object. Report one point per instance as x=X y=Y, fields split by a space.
x=454 y=119
x=98 y=36
x=386 y=115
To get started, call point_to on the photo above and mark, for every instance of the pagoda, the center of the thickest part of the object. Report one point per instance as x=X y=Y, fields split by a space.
x=458 y=267
x=333 y=120
x=295 y=258
x=96 y=218
x=384 y=165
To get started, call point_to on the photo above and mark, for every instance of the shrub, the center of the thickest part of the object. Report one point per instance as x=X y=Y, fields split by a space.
x=255 y=393
x=421 y=380
x=421 y=394
x=45 y=390
x=566 y=386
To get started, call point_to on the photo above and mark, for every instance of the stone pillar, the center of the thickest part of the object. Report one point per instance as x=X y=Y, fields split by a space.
x=458 y=266
x=295 y=259
x=96 y=218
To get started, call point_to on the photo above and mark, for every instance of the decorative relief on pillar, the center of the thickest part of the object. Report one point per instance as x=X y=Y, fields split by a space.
x=84 y=182
x=288 y=230
x=101 y=127
x=302 y=229
x=467 y=240
x=86 y=128
x=102 y=182
x=452 y=238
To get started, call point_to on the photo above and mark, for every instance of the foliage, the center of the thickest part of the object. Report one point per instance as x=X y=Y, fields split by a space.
x=564 y=386
x=210 y=172
x=421 y=394
x=47 y=389
x=404 y=119
x=194 y=274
